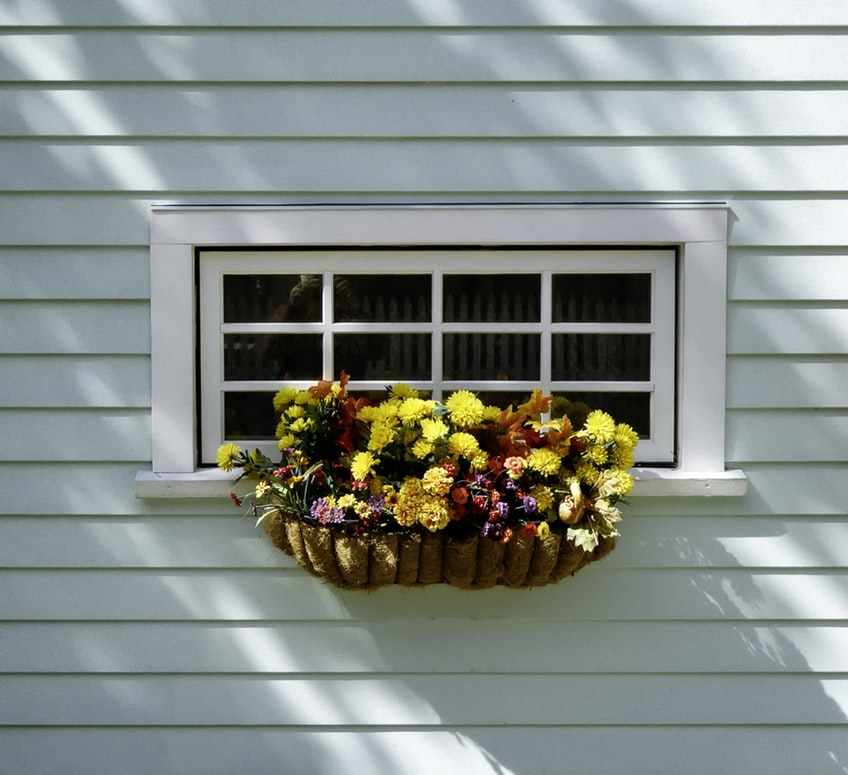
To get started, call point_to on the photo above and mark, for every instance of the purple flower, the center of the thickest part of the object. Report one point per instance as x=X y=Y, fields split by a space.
x=509 y=484
x=503 y=509
x=493 y=530
x=376 y=503
x=530 y=506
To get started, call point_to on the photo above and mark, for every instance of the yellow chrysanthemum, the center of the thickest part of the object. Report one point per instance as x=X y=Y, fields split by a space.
x=544 y=498
x=286 y=441
x=226 y=455
x=412 y=410
x=545 y=461
x=600 y=426
x=480 y=462
x=402 y=390
x=434 y=514
x=295 y=411
x=381 y=435
x=625 y=436
x=422 y=448
x=463 y=445
x=362 y=466
x=410 y=499
x=622 y=457
x=433 y=428
x=284 y=397
x=465 y=409
x=586 y=472
x=491 y=412
x=596 y=453
x=303 y=397
x=436 y=481
x=614 y=482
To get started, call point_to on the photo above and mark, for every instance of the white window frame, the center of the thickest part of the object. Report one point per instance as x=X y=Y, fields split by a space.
x=698 y=231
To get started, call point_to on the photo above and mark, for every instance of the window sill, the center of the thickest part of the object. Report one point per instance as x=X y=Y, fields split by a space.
x=650 y=482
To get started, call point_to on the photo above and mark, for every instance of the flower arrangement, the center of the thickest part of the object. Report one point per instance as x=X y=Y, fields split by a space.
x=413 y=468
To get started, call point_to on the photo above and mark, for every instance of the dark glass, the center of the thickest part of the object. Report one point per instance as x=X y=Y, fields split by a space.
x=272 y=298
x=387 y=357
x=601 y=298
x=272 y=356
x=631 y=408
x=605 y=357
x=249 y=416
x=478 y=298
x=490 y=356
x=383 y=298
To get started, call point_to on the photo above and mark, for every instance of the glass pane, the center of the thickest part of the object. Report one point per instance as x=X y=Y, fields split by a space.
x=491 y=356
x=383 y=298
x=387 y=357
x=631 y=408
x=249 y=416
x=272 y=356
x=601 y=356
x=272 y=298
x=602 y=298
x=477 y=298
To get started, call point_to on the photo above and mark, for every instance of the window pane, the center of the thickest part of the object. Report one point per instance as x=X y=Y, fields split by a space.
x=249 y=416
x=274 y=298
x=272 y=356
x=602 y=298
x=383 y=298
x=387 y=357
x=601 y=356
x=631 y=408
x=478 y=298
x=491 y=356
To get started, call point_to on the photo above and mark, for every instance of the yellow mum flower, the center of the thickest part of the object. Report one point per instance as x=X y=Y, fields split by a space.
x=410 y=499
x=600 y=426
x=625 y=437
x=544 y=498
x=480 y=462
x=433 y=429
x=381 y=436
x=302 y=397
x=284 y=397
x=434 y=514
x=463 y=445
x=545 y=461
x=596 y=453
x=412 y=410
x=226 y=455
x=295 y=411
x=286 y=441
x=362 y=466
x=402 y=390
x=622 y=457
x=422 y=448
x=465 y=409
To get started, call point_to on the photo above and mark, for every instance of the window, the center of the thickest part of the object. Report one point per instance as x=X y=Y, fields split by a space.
x=412 y=293
x=593 y=327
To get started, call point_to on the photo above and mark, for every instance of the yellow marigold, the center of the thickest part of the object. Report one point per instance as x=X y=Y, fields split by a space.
x=545 y=461
x=433 y=428
x=362 y=466
x=544 y=498
x=381 y=435
x=284 y=397
x=286 y=441
x=303 y=397
x=436 y=481
x=463 y=445
x=412 y=410
x=301 y=424
x=226 y=455
x=402 y=390
x=410 y=500
x=465 y=409
x=480 y=462
x=295 y=411
x=600 y=426
x=434 y=514
x=422 y=448
x=491 y=412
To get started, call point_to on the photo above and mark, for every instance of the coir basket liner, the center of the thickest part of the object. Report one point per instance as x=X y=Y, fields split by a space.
x=416 y=558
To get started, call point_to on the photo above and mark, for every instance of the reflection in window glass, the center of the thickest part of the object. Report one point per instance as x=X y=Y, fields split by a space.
x=601 y=357
x=387 y=357
x=249 y=415
x=491 y=356
x=274 y=298
x=479 y=298
x=601 y=298
x=272 y=356
x=382 y=298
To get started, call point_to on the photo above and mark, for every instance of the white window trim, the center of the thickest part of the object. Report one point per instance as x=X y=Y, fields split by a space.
x=698 y=230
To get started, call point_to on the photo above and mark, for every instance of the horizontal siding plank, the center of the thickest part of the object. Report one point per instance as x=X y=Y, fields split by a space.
x=791 y=330
x=767 y=435
x=88 y=273
x=389 y=13
x=362 y=111
x=788 y=382
x=754 y=276
x=407 y=647
x=337 y=55
x=597 y=593
x=422 y=700
x=463 y=750
x=85 y=328
x=86 y=381
x=123 y=219
x=379 y=165
x=232 y=542
x=62 y=435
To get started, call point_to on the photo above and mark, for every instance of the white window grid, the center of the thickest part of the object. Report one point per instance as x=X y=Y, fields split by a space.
x=659 y=264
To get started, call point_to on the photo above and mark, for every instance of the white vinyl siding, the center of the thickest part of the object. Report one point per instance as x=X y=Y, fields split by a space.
x=167 y=636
